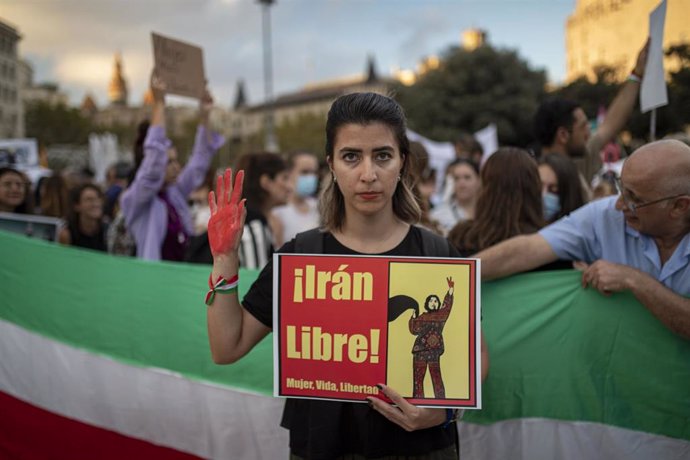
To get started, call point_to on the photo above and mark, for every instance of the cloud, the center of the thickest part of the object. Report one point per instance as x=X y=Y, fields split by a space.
x=73 y=41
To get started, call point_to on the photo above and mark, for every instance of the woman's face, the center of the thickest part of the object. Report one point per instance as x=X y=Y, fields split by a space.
x=279 y=188
x=549 y=181
x=172 y=170
x=90 y=204
x=366 y=163
x=433 y=304
x=12 y=191
x=466 y=182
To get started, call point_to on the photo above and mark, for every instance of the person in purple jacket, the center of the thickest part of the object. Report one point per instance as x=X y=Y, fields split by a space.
x=155 y=204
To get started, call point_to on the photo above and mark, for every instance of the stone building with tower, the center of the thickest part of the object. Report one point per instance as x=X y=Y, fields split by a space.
x=120 y=116
x=611 y=33
x=245 y=121
x=11 y=107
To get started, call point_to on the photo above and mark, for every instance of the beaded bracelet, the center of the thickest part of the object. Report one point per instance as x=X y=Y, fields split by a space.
x=222 y=286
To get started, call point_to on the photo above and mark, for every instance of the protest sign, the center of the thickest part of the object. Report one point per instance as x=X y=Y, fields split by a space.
x=179 y=65
x=653 y=92
x=18 y=153
x=343 y=324
x=41 y=227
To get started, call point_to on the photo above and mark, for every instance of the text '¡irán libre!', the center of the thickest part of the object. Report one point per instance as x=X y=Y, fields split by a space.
x=311 y=284
x=316 y=345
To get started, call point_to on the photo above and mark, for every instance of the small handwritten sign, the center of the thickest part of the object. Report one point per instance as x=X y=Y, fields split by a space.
x=179 y=65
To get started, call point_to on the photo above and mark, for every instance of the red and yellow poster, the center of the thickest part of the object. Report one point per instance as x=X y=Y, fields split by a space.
x=343 y=324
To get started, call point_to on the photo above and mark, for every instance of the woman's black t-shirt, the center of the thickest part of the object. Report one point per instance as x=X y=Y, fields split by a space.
x=328 y=429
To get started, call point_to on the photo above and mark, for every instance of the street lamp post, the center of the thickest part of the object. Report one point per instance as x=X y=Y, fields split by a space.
x=270 y=143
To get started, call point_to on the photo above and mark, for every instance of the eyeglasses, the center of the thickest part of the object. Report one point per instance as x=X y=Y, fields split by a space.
x=633 y=207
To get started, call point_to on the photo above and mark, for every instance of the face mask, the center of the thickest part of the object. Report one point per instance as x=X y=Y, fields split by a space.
x=306 y=185
x=200 y=216
x=552 y=205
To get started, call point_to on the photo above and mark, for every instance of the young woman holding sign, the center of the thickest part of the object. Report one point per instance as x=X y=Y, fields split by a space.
x=368 y=208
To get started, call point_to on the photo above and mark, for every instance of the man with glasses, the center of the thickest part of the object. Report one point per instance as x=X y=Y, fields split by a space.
x=638 y=241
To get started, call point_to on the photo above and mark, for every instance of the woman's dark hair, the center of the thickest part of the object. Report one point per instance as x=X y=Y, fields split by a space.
x=509 y=202
x=428 y=299
x=27 y=206
x=365 y=109
x=256 y=165
x=75 y=198
x=570 y=192
x=142 y=131
x=54 y=201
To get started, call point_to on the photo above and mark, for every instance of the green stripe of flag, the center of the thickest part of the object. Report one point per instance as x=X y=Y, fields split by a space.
x=557 y=351
x=144 y=313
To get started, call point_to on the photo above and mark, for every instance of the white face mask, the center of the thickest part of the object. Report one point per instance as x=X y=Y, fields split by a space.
x=552 y=205
x=200 y=216
x=306 y=185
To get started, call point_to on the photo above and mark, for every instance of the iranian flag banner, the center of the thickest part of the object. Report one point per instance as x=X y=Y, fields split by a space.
x=107 y=357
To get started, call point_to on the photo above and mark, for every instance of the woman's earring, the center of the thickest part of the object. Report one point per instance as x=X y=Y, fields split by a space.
x=398 y=177
x=334 y=179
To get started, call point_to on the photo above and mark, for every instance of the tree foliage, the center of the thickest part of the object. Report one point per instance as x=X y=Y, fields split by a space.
x=56 y=124
x=304 y=132
x=601 y=92
x=592 y=95
x=471 y=89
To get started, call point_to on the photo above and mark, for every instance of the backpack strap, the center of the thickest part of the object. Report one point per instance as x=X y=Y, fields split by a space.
x=309 y=242
x=434 y=245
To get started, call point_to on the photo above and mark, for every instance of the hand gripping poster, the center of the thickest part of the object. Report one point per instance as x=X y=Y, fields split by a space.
x=343 y=324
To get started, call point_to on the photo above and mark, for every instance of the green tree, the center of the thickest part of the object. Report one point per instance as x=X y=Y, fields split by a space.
x=303 y=132
x=471 y=89
x=670 y=118
x=56 y=124
x=592 y=95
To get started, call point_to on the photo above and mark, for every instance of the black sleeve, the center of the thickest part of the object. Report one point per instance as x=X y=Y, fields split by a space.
x=454 y=252
x=259 y=300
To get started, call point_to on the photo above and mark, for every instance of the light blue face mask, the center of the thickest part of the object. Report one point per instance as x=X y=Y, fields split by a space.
x=552 y=205
x=306 y=185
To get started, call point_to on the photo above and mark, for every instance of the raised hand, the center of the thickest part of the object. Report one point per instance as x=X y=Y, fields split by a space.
x=451 y=283
x=227 y=214
x=158 y=87
x=641 y=61
x=205 y=105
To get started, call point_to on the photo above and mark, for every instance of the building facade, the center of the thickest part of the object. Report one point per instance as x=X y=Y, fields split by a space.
x=245 y=121
x=11 y=108
x=611 y=33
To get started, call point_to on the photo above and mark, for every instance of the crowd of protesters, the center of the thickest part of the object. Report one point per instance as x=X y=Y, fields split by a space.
x=157 y=209
x=515 y=209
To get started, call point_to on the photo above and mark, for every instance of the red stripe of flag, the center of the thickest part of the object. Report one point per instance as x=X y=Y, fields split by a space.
x=27 y=432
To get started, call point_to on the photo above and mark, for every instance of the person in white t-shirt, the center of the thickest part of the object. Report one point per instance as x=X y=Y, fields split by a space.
x=301 y=213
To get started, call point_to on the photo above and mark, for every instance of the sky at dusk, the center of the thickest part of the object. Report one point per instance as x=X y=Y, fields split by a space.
x=72 y=42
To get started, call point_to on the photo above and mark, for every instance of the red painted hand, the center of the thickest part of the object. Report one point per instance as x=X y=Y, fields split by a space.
x=227 y=214
x=451 y=283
